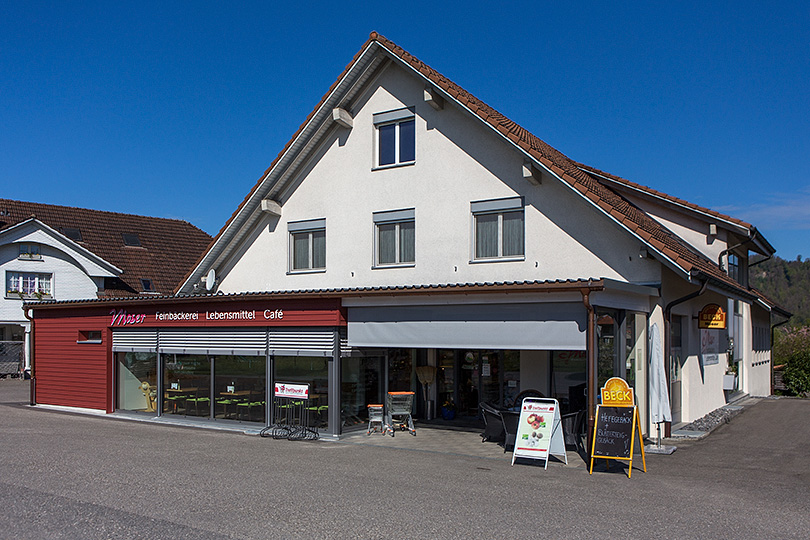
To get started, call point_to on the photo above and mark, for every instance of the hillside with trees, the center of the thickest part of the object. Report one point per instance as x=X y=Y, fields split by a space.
x=787 y=283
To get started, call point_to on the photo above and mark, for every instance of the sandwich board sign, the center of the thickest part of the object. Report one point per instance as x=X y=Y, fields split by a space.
x=614 y=431
x=539 y=432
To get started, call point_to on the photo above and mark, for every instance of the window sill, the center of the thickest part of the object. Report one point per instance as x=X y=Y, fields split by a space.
x=386 y=266
x=90 y=342
x=27 y=297
x=393 y=166
x=313 y=271
x=498 y=259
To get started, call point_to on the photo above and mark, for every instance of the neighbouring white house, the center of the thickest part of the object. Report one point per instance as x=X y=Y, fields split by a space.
x=459 y=257
x=51 y=252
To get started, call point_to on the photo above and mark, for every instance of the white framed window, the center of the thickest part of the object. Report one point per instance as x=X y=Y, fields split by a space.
x=395 y=138
x=498 y=229
x=307 y=245
x=28 y=285
x=395 y=238
x=30 y=252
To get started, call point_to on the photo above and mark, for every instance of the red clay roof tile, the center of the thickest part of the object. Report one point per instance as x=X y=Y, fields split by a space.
x=168 y=246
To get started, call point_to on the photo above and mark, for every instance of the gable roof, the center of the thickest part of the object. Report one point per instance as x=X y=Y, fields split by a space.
x=763 y=246
x=33 y=230
x=168 y=246
x=669 y=248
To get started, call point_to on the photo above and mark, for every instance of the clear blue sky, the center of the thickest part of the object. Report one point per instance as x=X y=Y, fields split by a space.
x=174 y=109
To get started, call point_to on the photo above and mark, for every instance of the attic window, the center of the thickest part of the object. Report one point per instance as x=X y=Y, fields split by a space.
x=72 y=232
x=147 y=285
x=131 y=239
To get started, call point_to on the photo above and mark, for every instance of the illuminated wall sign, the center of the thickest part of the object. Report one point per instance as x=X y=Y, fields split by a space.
x=216 y=314
x=711 y=316
x=120 y=317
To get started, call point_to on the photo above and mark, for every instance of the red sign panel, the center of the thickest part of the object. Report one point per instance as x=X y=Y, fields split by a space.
x=254 y=313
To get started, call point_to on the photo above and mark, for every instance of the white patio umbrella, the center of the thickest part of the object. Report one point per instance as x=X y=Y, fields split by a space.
x=660 y=410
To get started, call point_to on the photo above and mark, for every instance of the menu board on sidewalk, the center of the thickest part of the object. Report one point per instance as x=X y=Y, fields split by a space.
x=614 y=431
x=616 y=422
x=539 y=432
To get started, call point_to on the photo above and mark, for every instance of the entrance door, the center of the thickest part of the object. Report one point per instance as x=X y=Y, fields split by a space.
x=362 y=383
x=466 y=378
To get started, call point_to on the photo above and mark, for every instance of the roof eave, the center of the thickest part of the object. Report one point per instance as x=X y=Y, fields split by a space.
x=114 y=270
x=249 y=212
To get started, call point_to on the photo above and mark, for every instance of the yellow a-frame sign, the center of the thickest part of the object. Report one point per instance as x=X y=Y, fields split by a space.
x=614 y=431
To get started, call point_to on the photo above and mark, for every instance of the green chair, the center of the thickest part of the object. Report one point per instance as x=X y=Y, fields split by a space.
x=245 y=408
x=199 y=400
x=225 y=402
x=174 y=402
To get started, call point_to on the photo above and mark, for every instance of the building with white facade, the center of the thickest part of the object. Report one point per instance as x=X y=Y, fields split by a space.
x=441 y=235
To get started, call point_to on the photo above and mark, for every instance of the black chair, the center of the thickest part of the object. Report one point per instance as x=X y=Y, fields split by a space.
x=510 y=420
x=527 y=393
x=493 y=425
x=572 y=429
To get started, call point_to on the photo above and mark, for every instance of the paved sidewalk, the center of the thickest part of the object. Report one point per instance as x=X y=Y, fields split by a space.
x=85 y=476
x=451 y=442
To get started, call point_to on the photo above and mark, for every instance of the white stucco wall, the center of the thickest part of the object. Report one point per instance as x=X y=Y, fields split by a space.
x=693 y=230
x=68 y=280
x=458 y=160
x=755 y=365
x=702 y=386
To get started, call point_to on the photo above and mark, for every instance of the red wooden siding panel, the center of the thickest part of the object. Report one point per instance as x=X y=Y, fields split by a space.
x=68 y=373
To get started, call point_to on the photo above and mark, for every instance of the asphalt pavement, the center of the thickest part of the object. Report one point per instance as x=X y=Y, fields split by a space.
x=76 y=476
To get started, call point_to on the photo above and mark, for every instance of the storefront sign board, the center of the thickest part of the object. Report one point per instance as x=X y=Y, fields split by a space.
x=712 y=316
x=306 y=312
x=617 y=423
x=291 y=390
x=539 y=432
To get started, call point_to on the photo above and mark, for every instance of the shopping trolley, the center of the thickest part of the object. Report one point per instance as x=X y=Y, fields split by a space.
x=399 y=412
x=375 y=417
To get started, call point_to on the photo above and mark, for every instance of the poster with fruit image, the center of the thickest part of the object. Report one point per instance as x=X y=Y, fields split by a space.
x=539 y=432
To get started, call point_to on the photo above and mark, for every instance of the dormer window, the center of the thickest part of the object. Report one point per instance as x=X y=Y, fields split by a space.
x=30 y=252
x=738 y=269
x=734 y=267
x=72 y=232
x=131 y=239
x=396 y=137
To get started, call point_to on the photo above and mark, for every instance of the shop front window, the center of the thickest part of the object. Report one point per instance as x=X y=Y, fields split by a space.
x=361 y=385
x=511 y=377
x=240 y=388
x=187 y=384
x=490 y=377
x=136 y=381
x=568 y=379
x=466 y=378
x=311 y=370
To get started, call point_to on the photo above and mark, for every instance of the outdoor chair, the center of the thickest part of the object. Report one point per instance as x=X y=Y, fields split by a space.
x=510 y=421
x=493 y=425
x=527 y=393
x=572 y=429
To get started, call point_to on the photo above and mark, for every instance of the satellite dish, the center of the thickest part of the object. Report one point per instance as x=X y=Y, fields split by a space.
x=211 y=280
